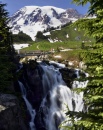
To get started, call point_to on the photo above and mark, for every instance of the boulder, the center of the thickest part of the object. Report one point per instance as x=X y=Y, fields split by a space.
x=10 y=113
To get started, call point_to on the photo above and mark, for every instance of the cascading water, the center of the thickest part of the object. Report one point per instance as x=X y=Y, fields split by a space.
x=29 y=107
x=55 y=96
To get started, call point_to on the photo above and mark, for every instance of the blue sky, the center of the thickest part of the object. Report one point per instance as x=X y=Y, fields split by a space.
x=14 y=5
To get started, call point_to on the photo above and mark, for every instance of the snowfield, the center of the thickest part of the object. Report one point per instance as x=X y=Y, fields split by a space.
x=20 y=46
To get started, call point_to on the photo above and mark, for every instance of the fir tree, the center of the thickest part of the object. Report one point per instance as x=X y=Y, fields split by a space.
x=92 y=118
x=6 y=50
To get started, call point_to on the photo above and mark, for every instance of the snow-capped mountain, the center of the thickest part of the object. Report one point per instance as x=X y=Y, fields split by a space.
x=31 y=19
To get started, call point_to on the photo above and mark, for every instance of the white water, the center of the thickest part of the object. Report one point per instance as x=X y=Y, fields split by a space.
x=29 y=107
x=58 y=94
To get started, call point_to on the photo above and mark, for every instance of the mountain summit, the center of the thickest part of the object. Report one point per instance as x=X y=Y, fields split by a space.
x=31 y=19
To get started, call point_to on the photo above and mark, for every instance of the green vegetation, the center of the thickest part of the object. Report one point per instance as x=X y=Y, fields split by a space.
x=40 y=36
x=47 y=46
x=67 y=33
x=73 y=34
x=92 y=117
x=6 y=51
x=21 y=38
x=74 y=40
x=72 y=43
x=68 y=43
x=72 y=55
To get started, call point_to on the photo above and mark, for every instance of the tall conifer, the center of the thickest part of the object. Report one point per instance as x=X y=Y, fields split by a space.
x=6 y=50
x=92 y=117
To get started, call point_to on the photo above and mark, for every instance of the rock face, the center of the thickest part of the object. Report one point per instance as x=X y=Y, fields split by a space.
x=10 y=114
x=32 y=80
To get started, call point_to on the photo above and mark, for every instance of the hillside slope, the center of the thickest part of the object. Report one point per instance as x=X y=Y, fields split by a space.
x=67 y=33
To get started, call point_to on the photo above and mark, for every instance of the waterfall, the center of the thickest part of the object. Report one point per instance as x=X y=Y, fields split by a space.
x=56 y=96
x=29 y=107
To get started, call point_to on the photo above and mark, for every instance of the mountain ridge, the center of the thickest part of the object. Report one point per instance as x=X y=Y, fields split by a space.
x=31 y=19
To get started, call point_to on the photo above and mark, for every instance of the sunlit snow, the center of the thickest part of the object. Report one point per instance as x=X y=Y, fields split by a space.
x=31 y=19
x=20 y=46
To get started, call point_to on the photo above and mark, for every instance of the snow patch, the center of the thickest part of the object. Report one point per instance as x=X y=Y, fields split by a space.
x=20 y=46
x=50 y=40
x=47 y=33
x=67 y=36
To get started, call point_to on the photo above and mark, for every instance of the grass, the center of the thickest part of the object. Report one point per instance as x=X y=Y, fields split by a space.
x=74 y=34
x=67 y=55
x=71 y=55
x=47 y=46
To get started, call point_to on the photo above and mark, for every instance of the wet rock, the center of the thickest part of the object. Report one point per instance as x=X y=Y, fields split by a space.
x=68 y=76
x=39 y=119
x=10 y=113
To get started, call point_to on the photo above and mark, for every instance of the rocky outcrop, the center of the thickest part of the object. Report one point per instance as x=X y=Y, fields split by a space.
x=32 y=80
x=10 y=113
x=69 y=75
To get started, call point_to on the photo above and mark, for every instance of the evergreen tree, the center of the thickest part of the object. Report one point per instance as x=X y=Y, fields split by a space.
x=5 y=35
x=21 y=37
x=92 y=118
x=6 y=50
x=93 y=26
x=40 y=36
